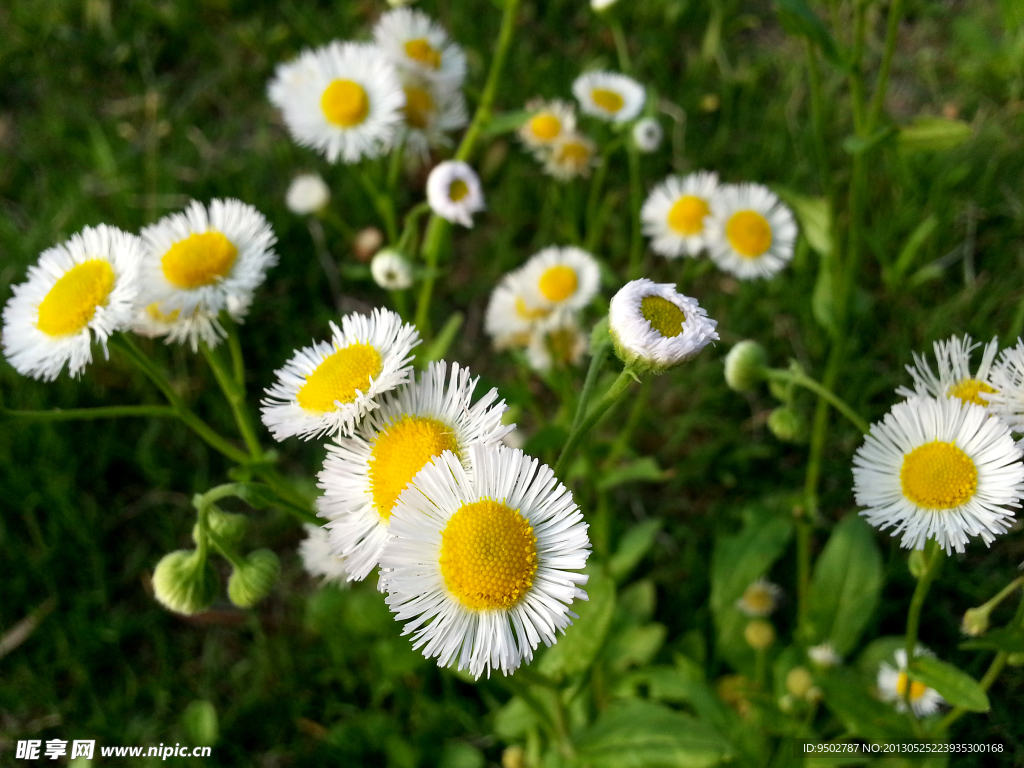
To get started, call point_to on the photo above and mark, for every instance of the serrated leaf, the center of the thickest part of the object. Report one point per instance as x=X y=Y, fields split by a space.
x=632 y=548
x=1004 y=639
x=933 y=134
x=797 y=18
x=583 y=639
x=645 y=468
x=956 y=686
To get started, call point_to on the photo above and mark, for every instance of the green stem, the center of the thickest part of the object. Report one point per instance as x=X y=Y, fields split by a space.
x=805 y=381
x=933 y=556
x=878 y=99
x=593 y=372
x=88 y=414
x=235 y=396
x=618 y=388
x=237 y=359
x=636 y=197
x=856 y=69
x=382 y=203
x=803 y=575
x=818 y=119
x=621 y=48
x=819 y=431
x=437 y=228
x=1002 y=594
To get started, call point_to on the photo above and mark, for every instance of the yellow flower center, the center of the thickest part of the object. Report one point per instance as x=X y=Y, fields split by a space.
x=400 y=451
x=345 y=103
x=545 y=126
x=558 y=283
x=686 y=216
x=664 y=316
x=917 y=688
x=72 y=302
x=488 y=555
x=749 y=233
x=938 y=475
x=153 y=310
x=419 y=106
x=970 y=391
x=457 y=190
x=525 y=312
x=420 y=50
x=200 y=259
x=757 y=599
x=609 y=101
x=574 y=154
x=337 y=378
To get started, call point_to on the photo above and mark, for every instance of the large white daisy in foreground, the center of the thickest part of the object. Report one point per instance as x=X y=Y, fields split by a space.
x=939 y=469
x=609 y=96
x=328 y=387
x=954 y=379
x=80 y=290
x=892 y=685
x=365 y=474
x=483 y=564
x=675 y=213
x=750 y=233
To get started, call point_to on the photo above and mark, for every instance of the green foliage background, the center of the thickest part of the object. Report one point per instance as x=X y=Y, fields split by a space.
x=121 y=112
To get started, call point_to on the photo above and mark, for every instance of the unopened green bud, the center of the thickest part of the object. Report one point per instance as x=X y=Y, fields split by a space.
x=253 y=579
x=184 y=582
x=787 y=703
x=745 y=366
x=975 y=622
x=759 y=634
x=799 y=682
x=513 y=757
x=228 y=527
x=916 y=563
x=786 y=424
x=1015 y=659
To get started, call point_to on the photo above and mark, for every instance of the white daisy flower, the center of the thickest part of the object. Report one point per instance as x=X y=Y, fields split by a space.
x=556 y=342
x=328 y=387
x=202 y=261
x=648 y=134
x=78 y=291
x=750 y=233
x=318 y=559
x=609 y=95
x=308 y=193
x=177 y=327
x=509 y=319
x=892 y=685
x=571 y=155
x=824 y=656
x=548 y=122
x=413 y=42
x=391 y=270
x=760 y=599
x=454 y=192
x=676 y=214
x=1007 y=378
x=939 y=469
x=365 y=474
x=654 y=327
x=954 y=379
x=560 y=278
x=344 y=100
x=483 y=564
x=432 y=109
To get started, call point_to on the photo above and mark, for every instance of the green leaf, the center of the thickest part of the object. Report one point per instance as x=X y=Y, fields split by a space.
x=632 y=548
x=514 y=720
x=459 y=754
x=645 y=468
x=1004 y=639
x=505 y=122
x=642 y=734
x=823 y=298
x=635 y=646
x=815 y=218
x=740 y=559
x=846 y=585
x=847 y=695
x=858 y=145
x=905 y=260
x=438 y=348
x=576 y=651
x=933 y=134
x=797 y=18
x=958 y=688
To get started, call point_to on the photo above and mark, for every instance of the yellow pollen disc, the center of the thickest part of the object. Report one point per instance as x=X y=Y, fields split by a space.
x=524 y=311
x=917 y=688
x=574 y=154
x=153 y=310
x=686 y=217
x=938 y=475
x=72 y=302
x=345 y=103
x=488 y=555
x=420 y=50
x=664 y=316
x=419 y=106
x=609 y=101
x=749 y=233
x=758 y=599
x=400 y=451
x=545 y=126
x=457 y=190
x=338 y=377
x=200 y=259
x=970 y=391
x=558 y=283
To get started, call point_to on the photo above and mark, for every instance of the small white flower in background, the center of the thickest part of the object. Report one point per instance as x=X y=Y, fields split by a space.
x=751 y=233
x=609 y=96
x=571 y=155
x=556 y=342
x=509 y=320
x=953 y=359
x=318 y=559
x=415 y=43
x=364 y=475
x=560 y=278
x=454 y=192
x=433 y=108
x=78 y=291
x=1007 y=378
x=939 y=469
x=648 y=134
x=308 y=193
x=676 y=214
x=328 y=387
x=760 y=599
x=548 y=122
x=343 y=100
x=483 y=565
x=654 y=328
x=824 y=656
x=892 y=685
x=600 y=5
x=198 y=263
x=391 y=270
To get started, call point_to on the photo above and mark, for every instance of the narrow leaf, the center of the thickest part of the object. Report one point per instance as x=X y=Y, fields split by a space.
x=957 y=687
x=645 y=468
x=933 y=134
x=634 y=545
x=1005 y=639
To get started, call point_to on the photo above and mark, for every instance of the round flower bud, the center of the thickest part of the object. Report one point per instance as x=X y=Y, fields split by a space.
x=975 y=622
x=513 y=757
x=307 y=194
x=815 y=694
x=647 y=135
x=228 y=527
x=391 y=270
x=368 y=241
x=184 y=582
x=1015 y=659
x=252 y=581
x=824 y=656
x=745 y=366
x=916 y=563
x=786 y=703
x=759 y=634
x=799 y=682
x=786 y=424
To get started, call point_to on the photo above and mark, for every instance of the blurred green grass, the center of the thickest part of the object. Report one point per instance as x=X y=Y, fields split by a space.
x=120 y=113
